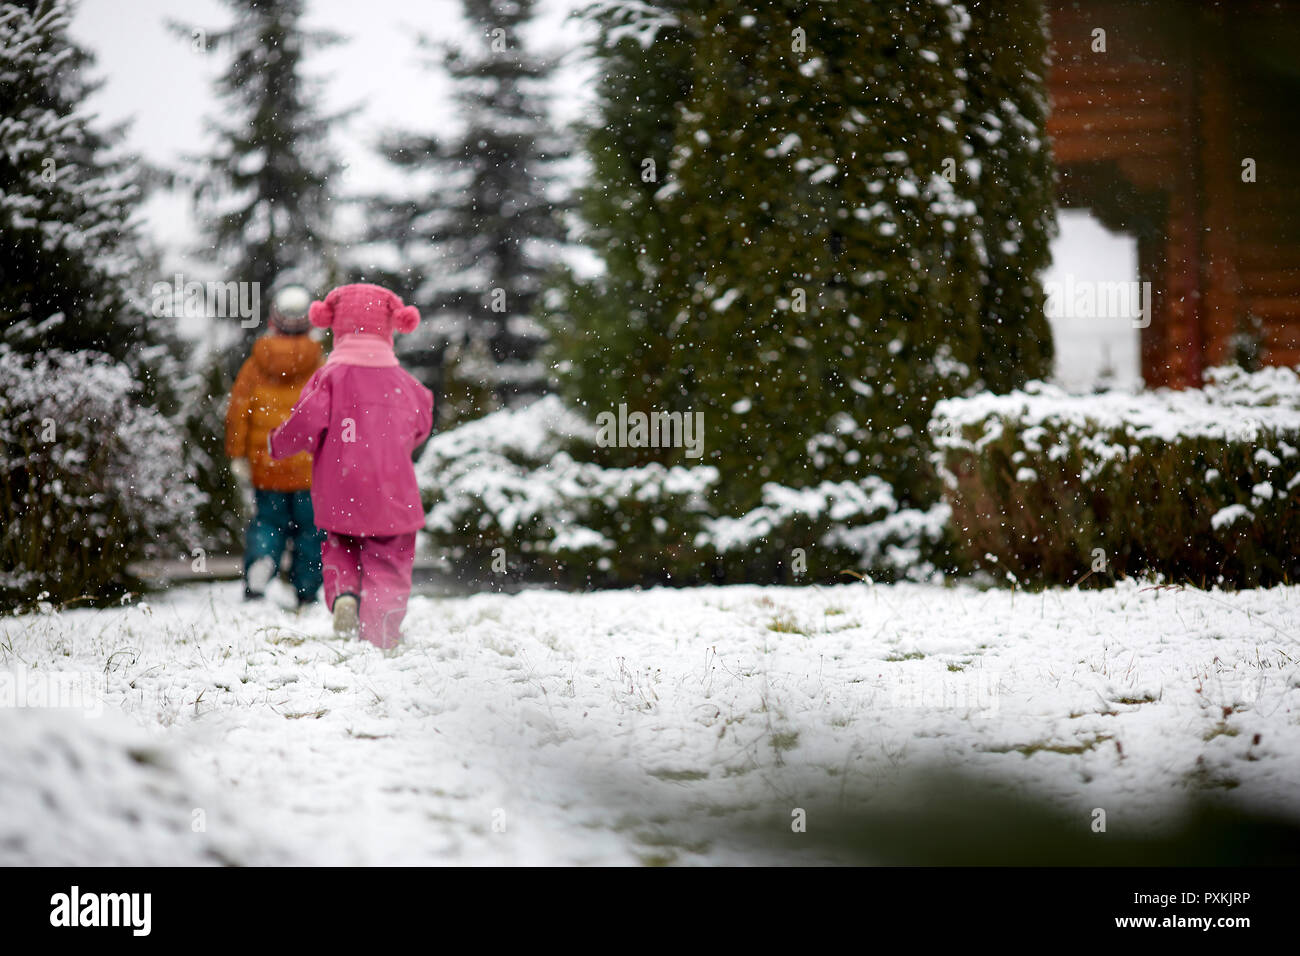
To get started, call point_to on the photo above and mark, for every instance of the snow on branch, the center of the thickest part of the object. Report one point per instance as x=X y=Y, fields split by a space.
x=620 y=19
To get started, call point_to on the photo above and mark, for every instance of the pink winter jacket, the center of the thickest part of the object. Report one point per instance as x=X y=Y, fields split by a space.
x=361 y=425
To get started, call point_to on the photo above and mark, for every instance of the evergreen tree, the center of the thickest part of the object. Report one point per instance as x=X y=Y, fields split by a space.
x=82 y=355
x=264 y=202
x=264 y=195
x=842 y=232
x=820 y=284
x=611 y=328
x=478 y=245
x=1006 y=109
x=72 y=253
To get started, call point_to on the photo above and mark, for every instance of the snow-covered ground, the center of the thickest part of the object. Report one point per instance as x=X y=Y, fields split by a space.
x=625 y=727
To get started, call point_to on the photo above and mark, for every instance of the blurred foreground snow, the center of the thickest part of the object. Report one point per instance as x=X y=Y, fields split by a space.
x=626 y=727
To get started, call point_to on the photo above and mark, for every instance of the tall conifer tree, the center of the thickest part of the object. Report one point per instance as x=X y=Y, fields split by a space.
x=264 y=194
x=612 y=329
x=478 y=245
x=818 y=259
x=72 y=254
x=264 y=203
x=823 y=241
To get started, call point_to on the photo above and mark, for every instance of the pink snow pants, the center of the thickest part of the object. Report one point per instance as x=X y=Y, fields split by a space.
x=378 y=571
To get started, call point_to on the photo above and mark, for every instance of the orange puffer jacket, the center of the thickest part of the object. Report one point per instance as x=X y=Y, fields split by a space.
x=265 y=392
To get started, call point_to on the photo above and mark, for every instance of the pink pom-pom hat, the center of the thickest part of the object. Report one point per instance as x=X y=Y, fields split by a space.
x=364 y=309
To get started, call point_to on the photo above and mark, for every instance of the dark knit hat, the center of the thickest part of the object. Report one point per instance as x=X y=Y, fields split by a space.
x=290 y=307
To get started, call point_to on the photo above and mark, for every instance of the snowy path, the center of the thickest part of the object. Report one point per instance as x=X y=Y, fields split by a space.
x=624 y=727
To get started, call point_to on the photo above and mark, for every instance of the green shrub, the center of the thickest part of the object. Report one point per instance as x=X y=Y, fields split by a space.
x=1200 y=485
x=520 y=489
x=511 y=481
x=90 y=481
x=825 y=531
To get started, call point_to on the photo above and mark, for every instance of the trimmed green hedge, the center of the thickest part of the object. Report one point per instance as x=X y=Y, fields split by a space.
x=1198 y=486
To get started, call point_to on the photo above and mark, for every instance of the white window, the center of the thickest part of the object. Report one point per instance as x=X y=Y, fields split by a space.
x=1095 y=303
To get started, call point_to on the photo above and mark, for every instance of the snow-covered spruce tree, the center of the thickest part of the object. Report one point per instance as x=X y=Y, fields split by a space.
x=611 y=329
x=822 y=273
x=71 y=251
x=264 y=195
x=478 y=242
x=264 y=204
x=1009 y=162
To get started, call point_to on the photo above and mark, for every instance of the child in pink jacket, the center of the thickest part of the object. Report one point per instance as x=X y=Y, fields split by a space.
x=361 y=416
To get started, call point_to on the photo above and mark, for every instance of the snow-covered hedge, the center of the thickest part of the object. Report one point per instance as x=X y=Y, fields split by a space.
x=844 y=525
x=89 y=479
x=524 y=481
x=1199 y=485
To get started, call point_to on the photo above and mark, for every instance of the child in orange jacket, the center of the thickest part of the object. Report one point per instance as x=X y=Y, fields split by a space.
x=265 y=391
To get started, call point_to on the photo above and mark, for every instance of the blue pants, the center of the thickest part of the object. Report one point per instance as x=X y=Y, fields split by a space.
x=283 y=517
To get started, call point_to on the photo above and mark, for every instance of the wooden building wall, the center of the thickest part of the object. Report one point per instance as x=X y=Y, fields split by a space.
x=1151 y=133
